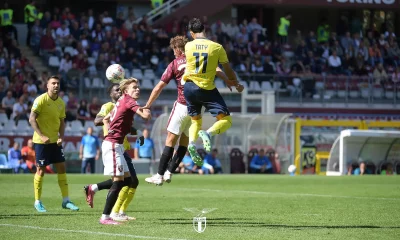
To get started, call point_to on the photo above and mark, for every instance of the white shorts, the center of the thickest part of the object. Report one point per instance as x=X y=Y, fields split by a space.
x=179 y=120
x=113 y=159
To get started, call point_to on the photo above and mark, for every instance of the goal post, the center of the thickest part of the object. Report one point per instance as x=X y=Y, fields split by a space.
x=373 y=146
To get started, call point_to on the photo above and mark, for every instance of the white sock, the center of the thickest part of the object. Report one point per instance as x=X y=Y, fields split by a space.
x=121 y=212
x=94 y=188
x=37 y=201
x=104 y=216
x=167 y=172
x=158 y=175
x=66 y=199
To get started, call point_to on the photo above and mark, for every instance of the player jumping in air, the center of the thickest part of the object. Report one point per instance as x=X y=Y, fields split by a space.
x=128 y=192
x=118 y=124
x=47 y=119
x=202 y=58
x=179 y=120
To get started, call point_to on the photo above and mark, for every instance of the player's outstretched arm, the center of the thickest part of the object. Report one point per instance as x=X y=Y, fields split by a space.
x=154 y=94
x=144 y=113
x=232 y=76
x=98 y=121
x=32 y=120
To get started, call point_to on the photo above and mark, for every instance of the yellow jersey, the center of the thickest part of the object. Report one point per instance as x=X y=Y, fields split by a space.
x=50 y=114
x=202 y=59
x=106 y=109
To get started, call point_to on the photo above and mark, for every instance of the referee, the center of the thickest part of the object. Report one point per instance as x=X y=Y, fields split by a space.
x=47 y=119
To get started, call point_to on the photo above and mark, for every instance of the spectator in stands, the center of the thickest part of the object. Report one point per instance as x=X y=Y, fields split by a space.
x=89 y=151
x=211 y=163
x=20 y=110
x=375 y=55
x=47 y=45
x=94 y=107
x=396 y=75
x=147 y=150
x=261 y=163
x=72 y=107
x=29 y=156
x=65 y=65
x=335 y=64
x=380 y=75
x=388 y=170
x=187 y=166
x=15 y=160
x=82 y=113
x=7 y=103
x=361 y=170
x=36 y=35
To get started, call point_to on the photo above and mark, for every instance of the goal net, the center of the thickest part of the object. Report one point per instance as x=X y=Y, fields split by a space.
x=370 y=146
x=247 y=132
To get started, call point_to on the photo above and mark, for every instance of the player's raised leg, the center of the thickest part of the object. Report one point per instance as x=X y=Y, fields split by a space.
x=91 y=189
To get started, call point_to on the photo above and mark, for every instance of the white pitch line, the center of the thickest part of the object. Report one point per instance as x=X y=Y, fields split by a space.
x=289 y=194
x=87 y=232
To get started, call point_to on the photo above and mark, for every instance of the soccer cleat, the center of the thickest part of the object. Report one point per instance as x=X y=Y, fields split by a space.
x=155 y=179
x=195 y=155
x=39 y=207
x=89 y=194
x=206 y=140
x=117 y=217
x=127 y=217
x=108 y=221
x=70 y=205
x=167 y=177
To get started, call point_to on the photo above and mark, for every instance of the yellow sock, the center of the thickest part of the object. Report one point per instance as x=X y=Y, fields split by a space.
x=220 y=126
x=194 y=129
x=62 y=182
x=37 y=185
x=123 y=194
x=128 y=200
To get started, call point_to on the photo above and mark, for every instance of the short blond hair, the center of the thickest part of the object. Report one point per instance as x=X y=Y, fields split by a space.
x=123 y=85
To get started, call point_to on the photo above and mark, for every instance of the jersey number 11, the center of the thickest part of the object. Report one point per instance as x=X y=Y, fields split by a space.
x=203 y=63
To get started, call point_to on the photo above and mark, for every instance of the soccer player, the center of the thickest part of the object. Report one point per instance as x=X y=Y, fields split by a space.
x=179 y=120
x=47 y=119
x=118 y=124
x=127 y=192
x=202 y=59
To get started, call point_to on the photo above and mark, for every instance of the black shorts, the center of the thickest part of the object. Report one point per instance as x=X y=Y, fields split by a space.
x=47 y=154
x=197 y=97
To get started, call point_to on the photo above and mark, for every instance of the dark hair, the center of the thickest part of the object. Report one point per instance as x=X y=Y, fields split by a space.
x=195 y=25
x=111 y=87
x=53 y=77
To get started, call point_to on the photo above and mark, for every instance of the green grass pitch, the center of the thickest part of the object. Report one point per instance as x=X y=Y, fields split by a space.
x=248 y=207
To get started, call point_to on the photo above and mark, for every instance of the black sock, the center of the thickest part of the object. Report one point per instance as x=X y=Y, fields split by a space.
x=177 y=158
x=105 y=185
x=112 y=196
x=165 y=157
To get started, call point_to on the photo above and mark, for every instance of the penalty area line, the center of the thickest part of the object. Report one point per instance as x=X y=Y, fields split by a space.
x=86 y=232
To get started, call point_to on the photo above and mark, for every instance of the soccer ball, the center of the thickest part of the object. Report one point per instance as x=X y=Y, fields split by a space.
x=291 y=168
x=115 y=73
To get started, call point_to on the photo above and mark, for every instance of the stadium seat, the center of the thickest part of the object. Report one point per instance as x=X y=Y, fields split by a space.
x=3 y=161
x=9 y=128
x=127 y=73
x=266 y=86
x=237 y=164
x=149 y=74
x=254 y=86
x=54 y=61
x=148 y=84
x=354 y=91
x=69 y=50
x=219 y=83
x=3 y=119
x=91 y=60
x=76 y=128
x=389 y=90
x=23 y=125
x=88 y=82
x=377 y=91
x=88 y=124
x=171 y=85
x=342 y=90
x=244 y=84
x=137 y=73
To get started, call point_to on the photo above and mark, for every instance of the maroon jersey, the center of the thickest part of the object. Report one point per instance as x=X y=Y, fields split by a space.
x=175 y=70
x=121 y=119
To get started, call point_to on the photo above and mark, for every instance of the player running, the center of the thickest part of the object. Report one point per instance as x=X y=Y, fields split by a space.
x=118 y=124
x=127 y=192
x=47 y=119
x=202 y=58
x=179 y=120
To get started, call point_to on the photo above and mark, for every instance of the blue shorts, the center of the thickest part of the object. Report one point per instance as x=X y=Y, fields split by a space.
x=132 y=169
x=197 y=97
x=47 y=154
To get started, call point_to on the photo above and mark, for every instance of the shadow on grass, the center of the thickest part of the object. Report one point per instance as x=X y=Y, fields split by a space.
x=227 y=222
x=33 y=215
